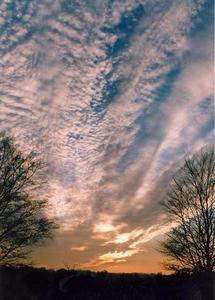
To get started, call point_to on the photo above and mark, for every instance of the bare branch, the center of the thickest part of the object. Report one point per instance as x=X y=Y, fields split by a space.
x=190 y=202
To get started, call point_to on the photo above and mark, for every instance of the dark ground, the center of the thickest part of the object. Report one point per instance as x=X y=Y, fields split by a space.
x=28 y=283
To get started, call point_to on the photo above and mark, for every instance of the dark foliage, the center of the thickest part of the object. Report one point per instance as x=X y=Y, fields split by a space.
x=25 y=283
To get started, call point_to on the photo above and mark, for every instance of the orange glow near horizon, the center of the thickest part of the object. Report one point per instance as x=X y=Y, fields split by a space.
x=111 y=96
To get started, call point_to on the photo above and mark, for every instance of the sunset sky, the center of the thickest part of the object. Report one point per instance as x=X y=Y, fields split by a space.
x=112 y=95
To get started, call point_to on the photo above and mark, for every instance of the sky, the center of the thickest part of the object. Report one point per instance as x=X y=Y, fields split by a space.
x=112 y=95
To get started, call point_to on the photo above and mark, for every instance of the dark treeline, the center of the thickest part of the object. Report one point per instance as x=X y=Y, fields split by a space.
x=189 y=247
x=29 y=283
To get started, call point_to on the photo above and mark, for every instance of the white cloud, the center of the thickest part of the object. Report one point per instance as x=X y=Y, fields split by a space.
x=55 y=64
x=125 y=237
x=116 y=256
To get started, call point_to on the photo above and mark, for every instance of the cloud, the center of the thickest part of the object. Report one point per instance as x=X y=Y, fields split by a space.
x=79 y=248
x=102 y=228
x=125 y=237
x=149 y=234
x=116 y=256
x=112 y=96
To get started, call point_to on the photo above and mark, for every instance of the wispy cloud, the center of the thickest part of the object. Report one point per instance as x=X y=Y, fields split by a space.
x=79 y=248
x=125 y=237
x=116 y=256
x=112 y=95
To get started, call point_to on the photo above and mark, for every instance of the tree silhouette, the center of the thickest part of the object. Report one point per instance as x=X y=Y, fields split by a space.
x=190 y=206
x=22 y=219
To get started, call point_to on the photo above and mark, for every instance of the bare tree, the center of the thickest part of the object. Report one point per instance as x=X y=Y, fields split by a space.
x=190 y=206
x=22 y=219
